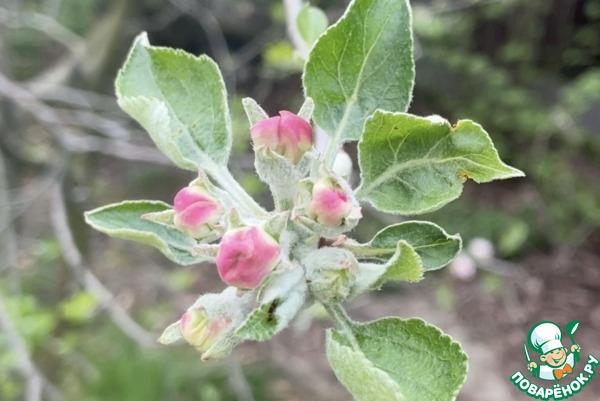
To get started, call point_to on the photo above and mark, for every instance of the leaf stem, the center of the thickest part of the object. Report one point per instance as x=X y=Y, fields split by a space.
x=337 y=312
x=228 y=183
x=334 y=143
x=332 y=150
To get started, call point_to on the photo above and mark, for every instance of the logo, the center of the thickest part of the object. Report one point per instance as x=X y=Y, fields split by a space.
x=556 y=363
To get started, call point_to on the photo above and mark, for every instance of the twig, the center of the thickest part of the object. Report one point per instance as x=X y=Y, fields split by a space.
x=71 y=138
x=35 y=380
x=8 y=245
x=88 y=280
x=42 y=23
x=238 y=381
x=215 y=36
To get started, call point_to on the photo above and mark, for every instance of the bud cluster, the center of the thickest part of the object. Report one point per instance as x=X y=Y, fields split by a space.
x=254 y=255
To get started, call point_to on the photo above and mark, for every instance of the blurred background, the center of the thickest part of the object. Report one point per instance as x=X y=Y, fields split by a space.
x=79 y=312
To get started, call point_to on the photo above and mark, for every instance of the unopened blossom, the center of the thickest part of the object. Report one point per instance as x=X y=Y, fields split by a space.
x=246 y=255
x=286 y=134
x=201 y=331
x=330 y=203
x=481 y=249
x=463 y=267
x=196 y=211
x=331 y=273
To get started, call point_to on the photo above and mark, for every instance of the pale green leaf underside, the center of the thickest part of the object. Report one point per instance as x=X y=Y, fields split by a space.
x=404 y=265
x=362 y=63
x=398 y=359
x=358 y=374
x=180 y=99
x=435 y=247
x=412 y=165
x=171 y=334
x=124 y=220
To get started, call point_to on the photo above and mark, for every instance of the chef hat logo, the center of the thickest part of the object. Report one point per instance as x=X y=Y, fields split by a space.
x=545 y=337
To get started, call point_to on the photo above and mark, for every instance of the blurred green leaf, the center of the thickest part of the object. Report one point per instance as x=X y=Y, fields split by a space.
x=312 y=22
x=79 y=308
x=280 y=55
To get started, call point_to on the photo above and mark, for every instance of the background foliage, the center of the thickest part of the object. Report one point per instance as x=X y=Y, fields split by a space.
x=78 y=311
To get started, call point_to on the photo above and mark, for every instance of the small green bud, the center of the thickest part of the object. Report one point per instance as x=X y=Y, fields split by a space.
x=330 y=273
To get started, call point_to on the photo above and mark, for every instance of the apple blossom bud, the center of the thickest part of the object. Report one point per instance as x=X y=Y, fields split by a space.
x=481 y=249
x=287 y=134
x=330 y=203
x=331 y=273
x=463 y=267
x=246 y=255
x=196 y=212
x=200 y=331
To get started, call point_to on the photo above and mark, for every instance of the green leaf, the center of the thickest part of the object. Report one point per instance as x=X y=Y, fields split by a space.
x=180 y=99
x=362 y=63
x=79 y=308
x=171 y=334
x=254 y=112
x=124 y=220
x=435 y=247
x=404 y=265
x=281 y=298
x=312 y=22
x=397 y=360
x=412 y=165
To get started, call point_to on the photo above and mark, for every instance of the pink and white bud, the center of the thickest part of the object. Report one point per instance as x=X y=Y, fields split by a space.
x=201 y=331
x=246 y=256
x=196 y=211
x=330 y=204
x=286 y=134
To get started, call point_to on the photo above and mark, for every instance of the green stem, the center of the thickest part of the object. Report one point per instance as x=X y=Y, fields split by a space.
x=334 y=144
x=337 y=312
x=228 y=183
x=332 y=150
x=366 y=251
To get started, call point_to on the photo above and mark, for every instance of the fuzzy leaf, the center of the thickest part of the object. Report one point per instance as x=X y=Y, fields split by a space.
x=362 y=63
x=171 y=334
x=281 y=298
x=435 y=247
x=312 y=22
x=413 y=165
x=254 y=112
x=398 y=360
x=125 y=220
x=403 y=265
x=180 y=99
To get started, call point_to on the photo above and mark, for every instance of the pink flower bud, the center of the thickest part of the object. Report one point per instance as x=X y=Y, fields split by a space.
x=196 y=211
x=246 y=255
x=330 y=204
x=200 y=331
x=286 y=134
